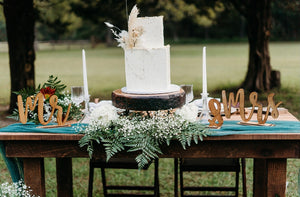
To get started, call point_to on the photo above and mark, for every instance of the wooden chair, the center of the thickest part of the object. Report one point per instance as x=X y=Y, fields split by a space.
x=117 y=163
x=210 y=165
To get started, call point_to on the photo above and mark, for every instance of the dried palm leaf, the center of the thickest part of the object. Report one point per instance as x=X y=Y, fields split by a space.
x=132 y=29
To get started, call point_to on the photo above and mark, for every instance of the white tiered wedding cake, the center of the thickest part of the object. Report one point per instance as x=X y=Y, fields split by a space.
x=147 y=60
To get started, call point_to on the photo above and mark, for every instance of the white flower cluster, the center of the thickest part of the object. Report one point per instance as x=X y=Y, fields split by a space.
x=65 y=101
x=47 y=112
x=188 y=112
x=104 y=114
x=18 y=189
x=159 y=124
x=121 y=38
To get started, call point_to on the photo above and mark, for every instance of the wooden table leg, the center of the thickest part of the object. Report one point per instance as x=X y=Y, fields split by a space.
x=175 y=177
x=64 y=177
x=244 y=175
x=34 y=175
x=269 y=177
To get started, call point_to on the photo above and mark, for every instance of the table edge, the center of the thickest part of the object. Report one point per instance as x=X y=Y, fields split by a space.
x=7 y=136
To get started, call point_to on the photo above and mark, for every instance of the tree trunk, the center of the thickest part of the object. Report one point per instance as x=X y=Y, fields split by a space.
x=259 y=26
x=20 y=20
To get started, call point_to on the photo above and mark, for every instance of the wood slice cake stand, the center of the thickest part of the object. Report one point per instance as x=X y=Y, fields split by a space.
x=148 y=102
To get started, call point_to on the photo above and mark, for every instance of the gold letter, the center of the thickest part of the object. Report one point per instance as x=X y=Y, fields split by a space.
x=217 y=119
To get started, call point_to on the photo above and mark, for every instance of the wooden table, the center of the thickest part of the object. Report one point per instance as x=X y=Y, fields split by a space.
x=270 y=153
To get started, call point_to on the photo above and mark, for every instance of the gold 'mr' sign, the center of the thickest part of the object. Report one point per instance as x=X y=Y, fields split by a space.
x=40 y=99
x=215 y=107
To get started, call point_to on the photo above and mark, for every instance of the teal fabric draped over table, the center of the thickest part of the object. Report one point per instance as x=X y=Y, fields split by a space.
x=32 y=128
x=15 y=165
x=229 y=128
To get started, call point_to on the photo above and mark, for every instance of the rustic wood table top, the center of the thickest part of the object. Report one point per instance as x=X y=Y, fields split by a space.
x=270 y=153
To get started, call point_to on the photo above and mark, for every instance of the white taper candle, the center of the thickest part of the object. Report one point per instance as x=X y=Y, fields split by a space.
x=85 y=82
x=204 y=80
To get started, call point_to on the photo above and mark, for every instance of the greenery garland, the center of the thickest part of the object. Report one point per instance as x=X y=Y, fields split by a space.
x=144 y=133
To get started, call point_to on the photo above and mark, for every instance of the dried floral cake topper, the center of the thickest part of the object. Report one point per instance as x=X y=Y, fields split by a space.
x=124 y=38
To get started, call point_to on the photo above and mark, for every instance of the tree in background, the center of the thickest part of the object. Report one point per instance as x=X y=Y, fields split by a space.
x=181 y=16
x=55 y=20
x=286 y=20
x=20 y=20
x=257 y=13
x=174 y=12
x=259 y=20
x=2 y=25
x=96 y=12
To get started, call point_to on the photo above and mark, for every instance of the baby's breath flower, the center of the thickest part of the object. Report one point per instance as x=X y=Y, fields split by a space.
x=17 y=189
x=140 y=132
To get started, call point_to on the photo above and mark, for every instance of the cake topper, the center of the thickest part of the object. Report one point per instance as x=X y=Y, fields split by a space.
x=124 y=38
x=134 y=32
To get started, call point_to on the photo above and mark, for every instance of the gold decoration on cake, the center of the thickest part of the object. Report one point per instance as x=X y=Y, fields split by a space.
x=239 y=101
x=39 y=99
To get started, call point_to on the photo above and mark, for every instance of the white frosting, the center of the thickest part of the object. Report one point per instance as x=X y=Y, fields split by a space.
x=153 y=32
x=147 y=69
x=147 y=65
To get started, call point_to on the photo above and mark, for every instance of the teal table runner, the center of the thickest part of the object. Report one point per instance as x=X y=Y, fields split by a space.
x=232 y=128
x=32 y=128
x=15 y=166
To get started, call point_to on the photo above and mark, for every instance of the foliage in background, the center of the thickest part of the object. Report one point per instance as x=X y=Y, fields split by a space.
x=56 y=20
x=286 y=20
x=2 y=25
x=74 y=19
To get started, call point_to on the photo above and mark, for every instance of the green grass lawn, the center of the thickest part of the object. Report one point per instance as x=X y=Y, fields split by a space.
x=226 y=68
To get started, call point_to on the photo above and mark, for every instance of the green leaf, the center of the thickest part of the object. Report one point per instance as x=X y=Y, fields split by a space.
x=54 y=83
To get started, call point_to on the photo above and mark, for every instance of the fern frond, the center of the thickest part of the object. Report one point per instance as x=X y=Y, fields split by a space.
x=26 y=92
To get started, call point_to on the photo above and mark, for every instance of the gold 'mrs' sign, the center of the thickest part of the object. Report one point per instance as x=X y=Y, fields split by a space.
x=239 y=100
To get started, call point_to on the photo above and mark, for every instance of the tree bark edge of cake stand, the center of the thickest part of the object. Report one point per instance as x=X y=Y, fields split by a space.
x=148 y=102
